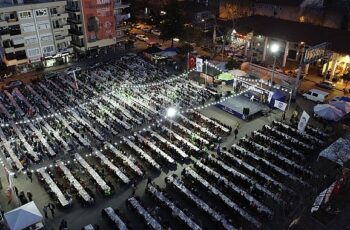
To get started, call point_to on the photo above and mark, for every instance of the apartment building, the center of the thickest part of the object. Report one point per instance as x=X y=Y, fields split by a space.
x=121 y=14
x=97 y=25
x=34 y=33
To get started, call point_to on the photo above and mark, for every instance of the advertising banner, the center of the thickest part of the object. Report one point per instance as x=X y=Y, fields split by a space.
x=303 y=121
x=199 y=64
x=270 y=97
x=280 y=105
x=99 y=19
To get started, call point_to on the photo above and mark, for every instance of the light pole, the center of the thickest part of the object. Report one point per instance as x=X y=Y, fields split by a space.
x=205 y=30
x=206 y=72
x=205 y=25
x=171 y=112
x=274 y=50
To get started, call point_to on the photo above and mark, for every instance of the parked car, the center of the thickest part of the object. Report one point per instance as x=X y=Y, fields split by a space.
x=153 y=44
x=13 y=84
x=155 y=32
x=146 y=29
x=316 y=95
x=326 y=84
x=142 y=37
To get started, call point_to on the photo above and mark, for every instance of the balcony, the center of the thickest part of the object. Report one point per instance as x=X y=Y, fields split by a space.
x=68 y=49
x=60 y=27
x=74 y=20
x=59 y=15
x=60 y=39
x=76 y=32
x=72 y=9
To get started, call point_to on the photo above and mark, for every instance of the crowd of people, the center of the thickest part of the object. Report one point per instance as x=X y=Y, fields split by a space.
x=106 y=129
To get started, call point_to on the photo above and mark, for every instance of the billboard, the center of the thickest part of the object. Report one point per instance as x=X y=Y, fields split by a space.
x=99 y=20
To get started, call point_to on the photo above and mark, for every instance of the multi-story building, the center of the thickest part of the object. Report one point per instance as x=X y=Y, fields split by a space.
x=327 y=13
x=122 y=14
x=96 y=24
x=33 y=33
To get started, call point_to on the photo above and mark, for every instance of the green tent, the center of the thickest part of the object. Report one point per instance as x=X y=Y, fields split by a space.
x=225 y=77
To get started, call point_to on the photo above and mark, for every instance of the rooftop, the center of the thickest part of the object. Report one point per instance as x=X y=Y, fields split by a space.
x=293 y=31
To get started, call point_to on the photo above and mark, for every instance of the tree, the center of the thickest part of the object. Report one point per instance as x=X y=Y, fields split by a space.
x=233 y=64
x=346 y=78
x=173 y=23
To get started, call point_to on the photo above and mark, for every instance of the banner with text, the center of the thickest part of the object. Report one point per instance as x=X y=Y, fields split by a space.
x=280 y=105
x=99 y=19
x=303 y=121
x=199 y=64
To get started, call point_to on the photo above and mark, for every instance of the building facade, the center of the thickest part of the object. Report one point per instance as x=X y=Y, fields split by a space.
x=96 y=25
x=121 y=14
x=333 y=14
x=34 y=34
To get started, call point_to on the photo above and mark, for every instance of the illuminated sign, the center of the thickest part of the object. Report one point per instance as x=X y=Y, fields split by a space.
x=315 y=53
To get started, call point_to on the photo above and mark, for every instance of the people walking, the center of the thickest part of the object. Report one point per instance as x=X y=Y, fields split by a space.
x=30 y=196
x=30 y=176
x=45 y=211
x=236 y=132
x=16 y=190
x=52 y=209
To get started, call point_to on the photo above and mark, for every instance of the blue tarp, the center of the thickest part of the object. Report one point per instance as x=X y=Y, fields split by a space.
x=347 y=99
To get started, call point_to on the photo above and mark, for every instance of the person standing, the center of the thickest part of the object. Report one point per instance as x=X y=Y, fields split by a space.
x=30 y=196
x=236 y=132
x=30 y=176
x=45 y=211
x=16 y=190
x=52 y=209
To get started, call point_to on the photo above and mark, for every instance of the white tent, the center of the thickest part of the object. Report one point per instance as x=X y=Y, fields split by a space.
x=328 y=112
x=342 y=105
x=24 y=216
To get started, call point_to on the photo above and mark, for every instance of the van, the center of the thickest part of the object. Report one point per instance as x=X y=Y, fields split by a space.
x=316 y=95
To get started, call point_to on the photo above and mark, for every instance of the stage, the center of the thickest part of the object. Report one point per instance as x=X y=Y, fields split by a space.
x=236 y=105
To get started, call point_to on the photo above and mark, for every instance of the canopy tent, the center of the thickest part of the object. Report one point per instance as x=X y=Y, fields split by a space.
x=171 y=49
x=238 y=73
x=225 y=77
x=23 y=216
x=339 y=151
x=328 y=112
x=342 y=105
x=152 y=50
x=277 y=95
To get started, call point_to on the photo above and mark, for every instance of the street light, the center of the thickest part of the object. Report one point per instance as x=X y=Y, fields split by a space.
x=205 y=25
x=171 y=112
x=206 y=72
x=274 y=50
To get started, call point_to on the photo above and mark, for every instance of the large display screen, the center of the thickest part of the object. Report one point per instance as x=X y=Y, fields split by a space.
x=99 y=19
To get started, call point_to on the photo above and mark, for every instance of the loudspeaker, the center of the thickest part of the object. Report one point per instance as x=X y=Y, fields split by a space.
x=246 y=111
